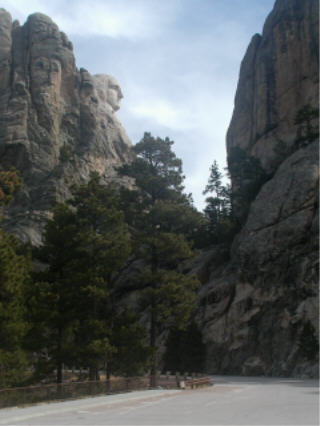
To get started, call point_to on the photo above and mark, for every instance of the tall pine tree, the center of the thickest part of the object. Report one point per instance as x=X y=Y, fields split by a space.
x=15 y=268
x=85 y=242
x=155 y=212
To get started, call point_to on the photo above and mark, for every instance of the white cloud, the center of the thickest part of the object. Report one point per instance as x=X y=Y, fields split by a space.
x=197 y=125
x=128 y=19
x=106 y=19
x=163 y=113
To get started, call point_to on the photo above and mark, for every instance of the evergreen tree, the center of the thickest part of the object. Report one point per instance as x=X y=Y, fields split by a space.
x=307 y=120
x=154 y=212
x=103 y=246
x=227 y=208
x=53 y=300
x=132 y=353
x=220 y=227
x=247 y=177
x=15 y=268
x=10 y=182
x=85 y=242
x=215 y=180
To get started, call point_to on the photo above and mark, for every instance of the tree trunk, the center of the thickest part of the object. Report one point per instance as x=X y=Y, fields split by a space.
x=97 y=375
x=108 y=374
x=108 y=370
x=59 y=372
x=153 y=320
x=59 y=361
x=92 y=373
x=154 y=359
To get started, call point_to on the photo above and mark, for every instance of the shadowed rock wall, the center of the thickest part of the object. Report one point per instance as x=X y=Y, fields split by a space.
x=259 y=312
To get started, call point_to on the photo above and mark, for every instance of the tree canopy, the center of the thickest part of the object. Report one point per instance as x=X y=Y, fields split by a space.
x=158 y=231
x=15 y=268
x=85 y=242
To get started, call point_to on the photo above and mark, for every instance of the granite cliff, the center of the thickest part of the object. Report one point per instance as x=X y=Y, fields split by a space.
x=259 y=310
x=258 y=307
x=57 y=124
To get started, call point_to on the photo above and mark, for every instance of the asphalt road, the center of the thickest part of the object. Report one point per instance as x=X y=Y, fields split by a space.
x=230 y=401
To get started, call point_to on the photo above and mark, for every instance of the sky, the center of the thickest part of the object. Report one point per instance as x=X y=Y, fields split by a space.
x=177 y=62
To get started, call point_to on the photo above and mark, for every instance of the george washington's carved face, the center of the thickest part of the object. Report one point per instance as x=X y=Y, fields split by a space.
x=108 y=91
x=114 y=94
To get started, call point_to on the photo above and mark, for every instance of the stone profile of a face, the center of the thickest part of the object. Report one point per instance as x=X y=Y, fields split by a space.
x=46 y=76
x=109 y=91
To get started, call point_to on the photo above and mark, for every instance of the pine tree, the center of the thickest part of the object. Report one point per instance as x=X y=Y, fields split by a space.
x=129 y=338
x=247 y=175
x=218 y=211
x=103 y=247
x=307 y=120
x=53 y=300
x=85 y=242
x=155 y=213
x=15 y=268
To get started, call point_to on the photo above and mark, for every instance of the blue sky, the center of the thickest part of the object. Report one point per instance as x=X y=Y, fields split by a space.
x=177 y=62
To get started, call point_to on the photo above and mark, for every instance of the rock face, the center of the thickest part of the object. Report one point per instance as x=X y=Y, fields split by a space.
x=278 y=77
x=57 y=124
x=259 y=311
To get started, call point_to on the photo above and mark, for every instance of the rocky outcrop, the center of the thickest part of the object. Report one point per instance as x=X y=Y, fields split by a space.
x=278 y=77
x=57 y=124
x=259 y=311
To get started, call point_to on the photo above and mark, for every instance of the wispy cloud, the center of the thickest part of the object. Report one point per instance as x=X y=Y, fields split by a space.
x=163 y=113
x=129 y=19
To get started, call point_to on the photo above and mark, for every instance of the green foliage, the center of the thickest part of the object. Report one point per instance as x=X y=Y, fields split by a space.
x=219 y=226
x=129 y=338
x=227 y=208
x=307 y=120
x=169 y=296
x=52 y=301
x=10 y=182
x=15 y=269
x=185 y=351
x=247 y=177
x=160 y=216
x=156 y=170
x=85 y=242
x=178 y=217
x=103 y=240
x=102 y=247
x=215 y=180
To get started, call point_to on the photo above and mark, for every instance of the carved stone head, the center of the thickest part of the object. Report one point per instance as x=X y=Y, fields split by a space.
x=108 y=90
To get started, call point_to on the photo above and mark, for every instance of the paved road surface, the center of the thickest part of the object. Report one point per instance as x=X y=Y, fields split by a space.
x=231 y=401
